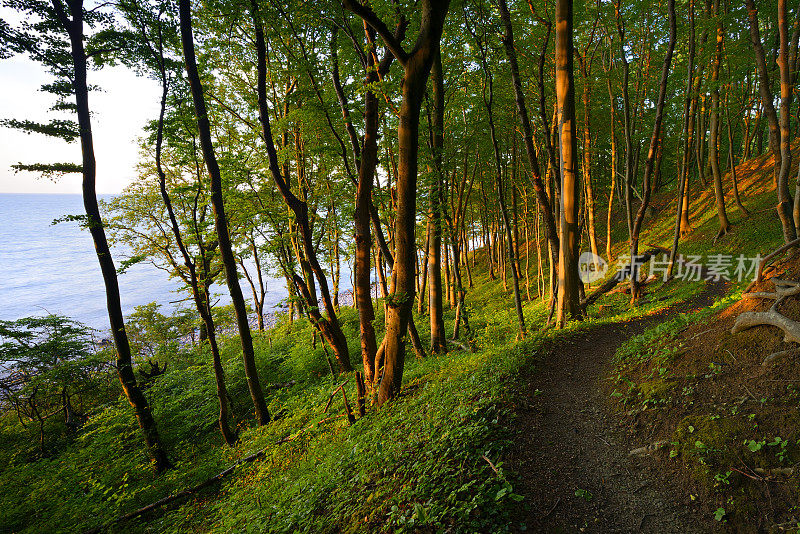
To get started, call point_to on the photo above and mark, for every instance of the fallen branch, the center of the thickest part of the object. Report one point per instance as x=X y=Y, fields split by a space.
x=333 y=393
x=789 y=525
x=757 y=479
x=777 y=355
x=785 y=471
x=189 y=491
x=647 y=449
x=768 y=259
x=330 y=418
x=491 y=465
x=552 y=509
x=350 y=417
x=621 y=275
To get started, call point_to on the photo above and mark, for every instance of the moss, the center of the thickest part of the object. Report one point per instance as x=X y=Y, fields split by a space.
x=701 y=441
x=656 y=390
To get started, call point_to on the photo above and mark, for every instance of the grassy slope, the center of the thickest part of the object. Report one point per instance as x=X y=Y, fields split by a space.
x=416 y=464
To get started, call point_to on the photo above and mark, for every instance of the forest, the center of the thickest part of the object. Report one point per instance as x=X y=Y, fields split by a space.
x=541 y=259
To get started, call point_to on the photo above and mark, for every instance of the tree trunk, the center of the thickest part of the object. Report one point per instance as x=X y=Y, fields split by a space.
x=568 y=281
x=613 y=165
x=713 y=137
x=651 y=153
x=220 y=220
x=438 y=337
x=527 y=132
x=784 y=206
x=200 y=295
x=585 y=68
x=329 y=326
x=124 y=365
x=681 y=201
x=416 y=69
x=509 y=241
x=786 y=114
x=366 y=176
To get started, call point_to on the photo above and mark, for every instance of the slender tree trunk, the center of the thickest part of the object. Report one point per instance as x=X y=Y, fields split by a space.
x=784 y=206
x=200 y=296
x=329 y=326
x=438 y=337
x=503 y=210
x=613 y=127
x=651 y=153
x=681 y=201
x=416 y=69
x=542 y=197
x=713 y=137
x=124 y=365
x=221 y=221
x=786 y=112
x=423 y=291
x=732 y=160
x=585 y=68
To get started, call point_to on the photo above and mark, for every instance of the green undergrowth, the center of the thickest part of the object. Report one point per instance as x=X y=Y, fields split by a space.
x=429 y=460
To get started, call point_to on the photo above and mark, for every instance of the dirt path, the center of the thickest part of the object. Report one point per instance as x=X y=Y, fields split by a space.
x=568 y=441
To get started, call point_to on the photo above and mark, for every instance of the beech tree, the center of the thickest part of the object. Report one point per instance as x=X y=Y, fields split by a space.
x=416 y=69
x=568 y=281
x=56 y=37
x=221 y=222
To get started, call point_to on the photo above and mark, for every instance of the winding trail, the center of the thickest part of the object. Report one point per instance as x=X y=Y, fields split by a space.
x=568 y=439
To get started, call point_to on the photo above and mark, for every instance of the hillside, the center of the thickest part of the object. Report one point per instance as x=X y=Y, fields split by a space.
x=458 y=449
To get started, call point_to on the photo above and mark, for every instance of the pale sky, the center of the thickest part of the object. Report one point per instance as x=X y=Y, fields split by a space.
x=120 y=111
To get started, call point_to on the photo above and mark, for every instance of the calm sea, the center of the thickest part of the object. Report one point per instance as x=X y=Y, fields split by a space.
x=46 y=268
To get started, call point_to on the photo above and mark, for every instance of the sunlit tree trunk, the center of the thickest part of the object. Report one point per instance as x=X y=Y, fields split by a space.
x=714 y=127
x=416 y=69
x=784 y=206
x=568 y=281
x=438 y=340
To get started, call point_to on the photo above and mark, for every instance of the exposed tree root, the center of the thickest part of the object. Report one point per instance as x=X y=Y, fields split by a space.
x=790 y=327
x=768 y=259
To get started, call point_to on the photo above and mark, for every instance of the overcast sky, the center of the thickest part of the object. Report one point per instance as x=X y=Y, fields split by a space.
x=120 y=111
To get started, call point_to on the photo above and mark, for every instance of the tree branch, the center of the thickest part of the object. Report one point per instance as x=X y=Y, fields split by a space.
x=369 y=16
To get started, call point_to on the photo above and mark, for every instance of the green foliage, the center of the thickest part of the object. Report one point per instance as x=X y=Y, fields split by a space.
x=153 y=335
x=49 y=170
x=47 y=363
x=63 y=129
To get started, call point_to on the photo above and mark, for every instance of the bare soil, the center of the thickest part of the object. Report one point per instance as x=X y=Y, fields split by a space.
x=571 y=456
